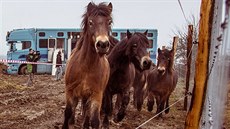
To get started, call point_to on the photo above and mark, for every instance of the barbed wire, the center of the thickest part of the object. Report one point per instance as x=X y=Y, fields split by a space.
x=223 y=26
x=189 y=93
x=182 y=11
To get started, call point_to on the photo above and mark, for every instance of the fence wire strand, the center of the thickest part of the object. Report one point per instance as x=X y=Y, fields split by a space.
x=162 y=111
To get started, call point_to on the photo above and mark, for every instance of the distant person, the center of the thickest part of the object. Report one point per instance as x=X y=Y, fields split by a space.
x=58 y=73
x=30 y=58
x=36 y=57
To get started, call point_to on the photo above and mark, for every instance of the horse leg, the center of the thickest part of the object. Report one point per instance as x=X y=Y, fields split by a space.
x=125 y=101
x=167 y=105
x=140 y=96
x=107 y=107
x=150 y=101
x=118 y=103
x=159 y=106
x=161 y=103
x=134 y=97
x=70 y=113
x=85 y=113
x=95 y=107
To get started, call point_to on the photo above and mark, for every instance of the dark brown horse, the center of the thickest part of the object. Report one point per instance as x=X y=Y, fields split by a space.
x=126 y=56
x=87 y=71
x=140 y=86
x=161 y=81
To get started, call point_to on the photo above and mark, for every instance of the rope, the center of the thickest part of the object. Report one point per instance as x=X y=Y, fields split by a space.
x=162 y=111
x=182 y=11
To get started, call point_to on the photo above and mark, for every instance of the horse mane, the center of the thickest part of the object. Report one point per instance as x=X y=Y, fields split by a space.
x=121 y=47
x=140 y=37
x=118 y=49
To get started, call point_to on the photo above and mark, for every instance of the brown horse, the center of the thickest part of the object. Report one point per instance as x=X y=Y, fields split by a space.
x=161 y=81
x=140 y=87
x=87 y=71
x=128 y=54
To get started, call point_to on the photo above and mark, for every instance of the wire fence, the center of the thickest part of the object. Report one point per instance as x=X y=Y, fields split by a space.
x=217 y=88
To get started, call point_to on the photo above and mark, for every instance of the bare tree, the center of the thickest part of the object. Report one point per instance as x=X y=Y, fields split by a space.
x=181 y=52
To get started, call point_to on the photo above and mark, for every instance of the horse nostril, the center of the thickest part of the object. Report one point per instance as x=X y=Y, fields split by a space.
x=145 y=63
x=103 y=45
x=161 y=70
x=98 y=44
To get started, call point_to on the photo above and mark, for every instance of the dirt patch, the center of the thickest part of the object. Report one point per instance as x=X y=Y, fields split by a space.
x=42 y=106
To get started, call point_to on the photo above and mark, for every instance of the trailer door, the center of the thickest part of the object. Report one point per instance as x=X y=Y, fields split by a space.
x=51 y=48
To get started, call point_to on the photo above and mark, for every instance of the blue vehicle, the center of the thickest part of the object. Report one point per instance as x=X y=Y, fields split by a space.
x=47 y=40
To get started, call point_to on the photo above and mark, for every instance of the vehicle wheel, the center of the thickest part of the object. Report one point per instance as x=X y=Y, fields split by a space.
x=23 y=70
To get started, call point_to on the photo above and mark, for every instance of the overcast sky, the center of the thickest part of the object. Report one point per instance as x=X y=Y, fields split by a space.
x=163 y=15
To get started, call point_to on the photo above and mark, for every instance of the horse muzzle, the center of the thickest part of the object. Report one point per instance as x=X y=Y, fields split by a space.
x=102 y=47
x=146 y=63
x=161 y=70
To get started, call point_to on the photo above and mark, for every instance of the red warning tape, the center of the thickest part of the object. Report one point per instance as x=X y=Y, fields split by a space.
x=26 y=62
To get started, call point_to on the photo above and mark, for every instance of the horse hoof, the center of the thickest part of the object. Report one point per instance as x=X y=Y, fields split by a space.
x=167 y=111
x=139 y=107
x=119 y=117
x=105 y=127
x=159 y=117
x=150 y=106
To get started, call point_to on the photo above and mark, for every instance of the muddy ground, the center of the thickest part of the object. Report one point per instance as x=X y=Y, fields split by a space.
x=41 y=106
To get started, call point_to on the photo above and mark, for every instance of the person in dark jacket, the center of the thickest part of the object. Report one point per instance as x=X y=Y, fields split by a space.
x=58 y=73
x=36 y=57
x=30 y=58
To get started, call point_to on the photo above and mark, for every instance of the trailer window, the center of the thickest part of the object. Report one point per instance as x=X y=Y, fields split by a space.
x=26 y=44
x=42 y=34
x=60 y=34
x=150 y=34
x=150 y=43
x=114 y=34
x=51 y=43
x=60 y=43
x=123 y=35
x=18 y=46
x=43 y=43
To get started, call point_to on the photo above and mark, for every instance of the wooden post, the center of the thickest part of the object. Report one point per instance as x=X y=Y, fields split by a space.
x=189 y=54
x=175 y=41
x=199 y=91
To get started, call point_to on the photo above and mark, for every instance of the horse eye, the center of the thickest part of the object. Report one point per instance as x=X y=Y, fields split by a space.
x=110 y=22
x=90 y=23
x=134 y=45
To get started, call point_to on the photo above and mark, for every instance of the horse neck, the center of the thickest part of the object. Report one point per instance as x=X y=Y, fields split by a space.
x=118 y=57
x=88 y=52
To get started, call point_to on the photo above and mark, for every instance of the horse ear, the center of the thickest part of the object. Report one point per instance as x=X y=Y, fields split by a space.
x=89 y=6
x=110 y=6
x=159 y=50
x=129 y=34
x=146 y=32
x=172 y=52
